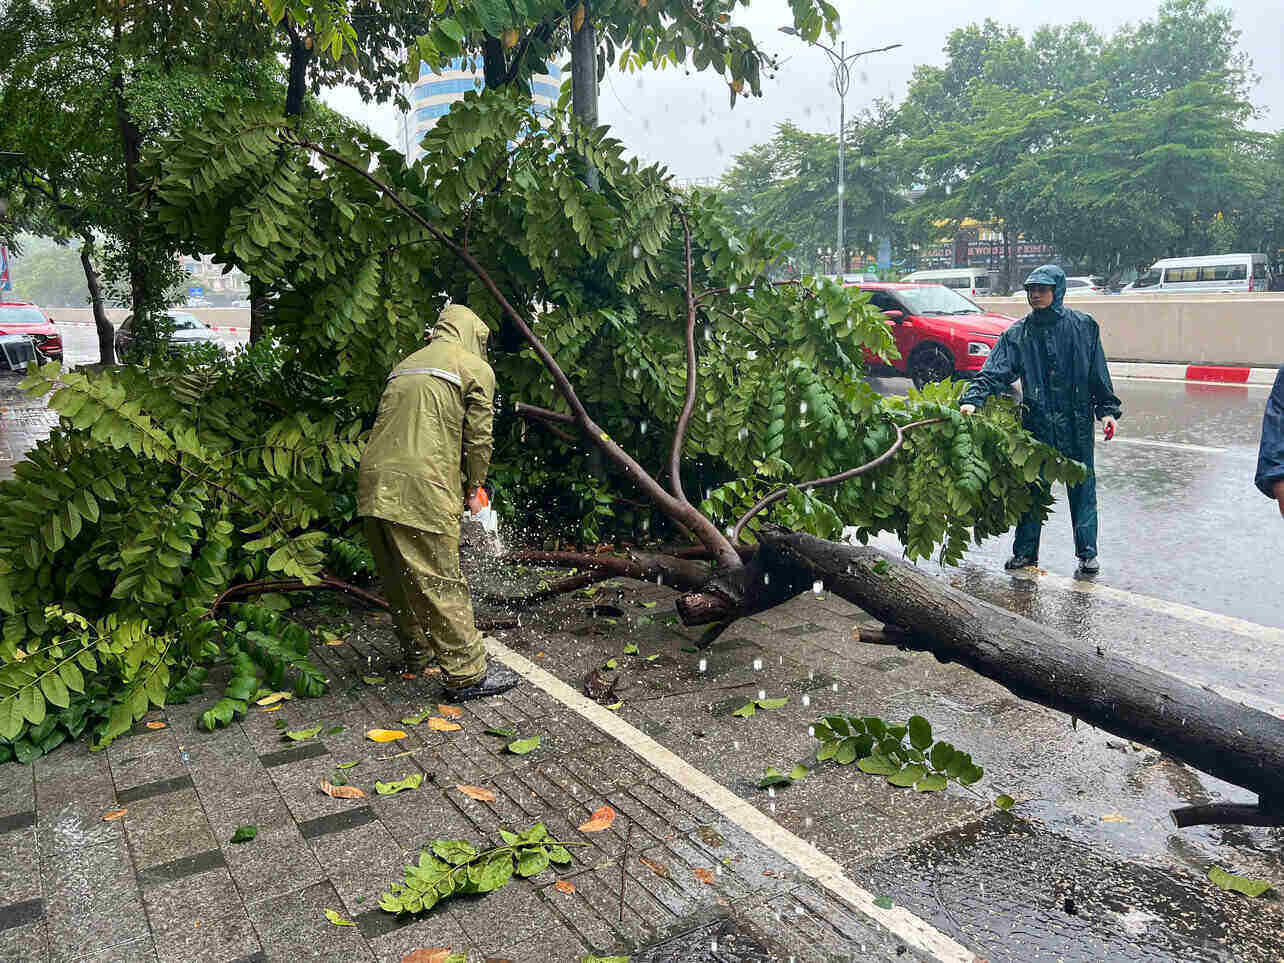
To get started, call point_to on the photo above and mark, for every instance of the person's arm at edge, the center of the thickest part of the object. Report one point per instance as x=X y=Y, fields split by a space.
x=1270 y=456
x=998 y=372
x=479 y=416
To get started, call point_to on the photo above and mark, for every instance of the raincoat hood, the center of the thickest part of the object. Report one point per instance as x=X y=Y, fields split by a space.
x=1054 y=277
x=459 y=325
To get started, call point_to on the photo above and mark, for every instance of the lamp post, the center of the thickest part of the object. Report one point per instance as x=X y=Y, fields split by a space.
x=842 y=62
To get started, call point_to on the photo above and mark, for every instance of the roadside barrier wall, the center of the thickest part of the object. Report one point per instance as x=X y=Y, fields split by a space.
x=1210 y=329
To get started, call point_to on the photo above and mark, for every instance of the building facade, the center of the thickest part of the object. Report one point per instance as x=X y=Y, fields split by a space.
x=432 y=95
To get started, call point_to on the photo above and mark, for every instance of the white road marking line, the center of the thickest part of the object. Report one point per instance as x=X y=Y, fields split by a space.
x=801 y=854
x=1171 y=445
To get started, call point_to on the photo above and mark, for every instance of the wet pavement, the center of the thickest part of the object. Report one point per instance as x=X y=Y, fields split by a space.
x=1087 y=865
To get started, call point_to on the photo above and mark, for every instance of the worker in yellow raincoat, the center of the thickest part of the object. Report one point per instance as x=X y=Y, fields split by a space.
x=427 y=457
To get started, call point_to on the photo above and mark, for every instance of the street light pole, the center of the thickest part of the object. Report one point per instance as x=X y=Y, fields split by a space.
x=842 y=63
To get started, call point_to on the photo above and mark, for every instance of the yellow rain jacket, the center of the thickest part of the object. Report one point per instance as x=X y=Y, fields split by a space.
x=431 y=442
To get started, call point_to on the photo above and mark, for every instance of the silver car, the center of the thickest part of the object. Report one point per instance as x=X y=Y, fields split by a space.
x=189 y=330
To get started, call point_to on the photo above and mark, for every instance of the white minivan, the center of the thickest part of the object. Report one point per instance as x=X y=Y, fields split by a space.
x=974 y=282
x=1212 y=273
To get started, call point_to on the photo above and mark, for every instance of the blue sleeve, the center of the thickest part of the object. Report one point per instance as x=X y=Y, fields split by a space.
x=1001 y=368
x=1270 y=457
x=1104 y=400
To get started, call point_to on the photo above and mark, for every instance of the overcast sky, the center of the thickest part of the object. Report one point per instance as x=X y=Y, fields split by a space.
x=684 y=122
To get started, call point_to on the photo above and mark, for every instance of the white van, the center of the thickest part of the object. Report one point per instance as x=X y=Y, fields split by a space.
x=974 y=282
x=1212 y=273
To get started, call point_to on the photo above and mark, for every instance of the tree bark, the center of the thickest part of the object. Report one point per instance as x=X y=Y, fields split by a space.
x=300 y=57
x=1214 y=735
x=258 y=309
x=131 y=140
x=584 y=81
x=106 y=333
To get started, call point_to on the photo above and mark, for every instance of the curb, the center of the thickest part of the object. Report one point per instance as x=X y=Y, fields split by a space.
x=1207 y=373
x=212 y=327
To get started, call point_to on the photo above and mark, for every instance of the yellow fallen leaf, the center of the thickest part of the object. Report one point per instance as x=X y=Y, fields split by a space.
x=441 y=725
x=656 y=867
x=385 y=735
x=600 y=821
x=450 y=712
x=564 y=886
x=272 y=698
x=477 y=792
x=155 y=725
x=273 y=708
x=341 y=792
x=1114 y=818
x=335 y=642
x=114 y=815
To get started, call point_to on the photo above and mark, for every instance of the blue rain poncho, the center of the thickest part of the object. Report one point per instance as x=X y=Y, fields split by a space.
x=1270 y=456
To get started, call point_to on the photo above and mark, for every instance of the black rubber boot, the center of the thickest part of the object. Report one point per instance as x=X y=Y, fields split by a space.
x=1089 y=566
x=1019 y=561
x=497 y=680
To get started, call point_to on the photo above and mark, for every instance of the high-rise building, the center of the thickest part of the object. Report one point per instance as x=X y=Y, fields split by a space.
x=434 y=92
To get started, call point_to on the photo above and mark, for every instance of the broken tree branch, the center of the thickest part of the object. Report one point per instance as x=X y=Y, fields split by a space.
x=688 y=404
x=842 y=476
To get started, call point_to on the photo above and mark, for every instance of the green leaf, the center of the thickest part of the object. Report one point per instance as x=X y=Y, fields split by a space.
x=838 y=725
x=336 y=919
x=456 y=851
x=631 y=649
x=611 y=664
x=746 y=710
x=55 y=690
x=877 y=765
x=828 y=750
x=845 y=755
x=392 y=788
x=244 y=834
x=1238 y=884
x=532 y=862
x=907 y=776
x=932 y=782
x=298 y=735
x=373 y=679
x=883 y=902
x=348 y=765
x=798 y=772
x=504 y=733
x=1004 y=802
x=920 y=732
x=941 y=756
x=773 y=777
x=520 y=747
x=773 y=703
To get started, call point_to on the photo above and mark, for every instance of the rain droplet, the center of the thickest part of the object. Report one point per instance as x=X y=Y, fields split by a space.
x=772 y=792
x=811 y=730
x=636 y=371
x=751 y=355
x=642 y=428
x=708 y=334
x=708 y=416
x=762 y=693
x=757 y=665
x=766 y=578
x=703 y=664
x=732 y=288
x=807 y=702
x=807 y=821
x=637 y=251
x=802 y=407
x=834 y=687
x=742 y=434
x=818 y=586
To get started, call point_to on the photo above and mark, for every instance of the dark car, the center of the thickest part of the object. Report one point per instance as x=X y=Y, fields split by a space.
x=23 y=317
x=939 y=332
x=189 y=331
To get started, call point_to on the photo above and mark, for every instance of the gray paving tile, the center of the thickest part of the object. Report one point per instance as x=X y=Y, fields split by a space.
x=139 y=950
x=70 y=814
x=92 y=900
x=360 y=863
x=158 y=787
x=181 y=868
x=18 y=913
x=166 y=827
x=230 y=938
x=19 y=868
x=17 y=789
x=391 y=938
x=293 y=927
x=552 y=943
x=276 y=862
x=337 y=822
x=281 y=757
x=179 y=908
x=151 y=756
x=28 y=943
x=517 y=904
x=72 y=764
x=16 y=821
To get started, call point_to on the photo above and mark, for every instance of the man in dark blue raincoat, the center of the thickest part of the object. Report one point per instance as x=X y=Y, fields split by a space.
x=1057 y=354
x=1270 y=457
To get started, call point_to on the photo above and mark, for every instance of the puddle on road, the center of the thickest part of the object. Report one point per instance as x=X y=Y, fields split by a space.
x=23 y=422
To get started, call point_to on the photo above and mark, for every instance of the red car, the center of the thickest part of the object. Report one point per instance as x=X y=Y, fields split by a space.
x=939 y=333
x=23 y=317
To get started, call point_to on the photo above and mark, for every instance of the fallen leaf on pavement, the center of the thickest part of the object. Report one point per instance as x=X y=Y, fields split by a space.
x=334 y=642
x=520 y=747
x=704 y=875
x=658 y=868
x=298 y=735
x=273 y=708
x=244 y=834
x=1239 y=884
x=155 y=725
x=385 y=735
x=348 y=765
x=1114 y=818
x=336 y=919
x=272 y=698
x=412 y=781
x=429 y=954
x=114 y=815
x=450 y=712
x=564 y=886
x=409 y=675
x=600 y=821
x=373 y=679
x=438 y=724
x=477 y=792
x=341 y=792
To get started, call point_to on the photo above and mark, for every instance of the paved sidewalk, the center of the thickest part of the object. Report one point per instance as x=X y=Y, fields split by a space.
x=165 y=883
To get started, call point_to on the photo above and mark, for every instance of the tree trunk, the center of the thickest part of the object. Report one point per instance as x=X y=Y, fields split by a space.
x=584 y=81
x=131 y=140
x=106 y=333
x=1214 y=735
x=494 y=63
x=300 y=57
x=258 y=309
